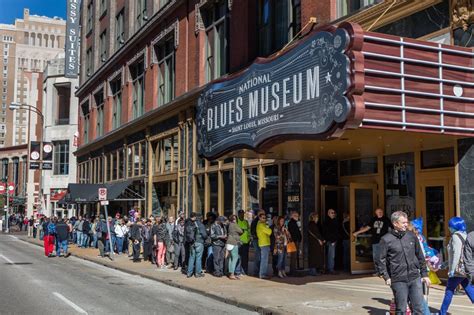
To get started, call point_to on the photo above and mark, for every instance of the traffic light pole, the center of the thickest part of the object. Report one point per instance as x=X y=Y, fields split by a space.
x=7 y=227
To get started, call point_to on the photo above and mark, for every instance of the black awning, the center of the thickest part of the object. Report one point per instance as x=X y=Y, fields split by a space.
x=89 y=193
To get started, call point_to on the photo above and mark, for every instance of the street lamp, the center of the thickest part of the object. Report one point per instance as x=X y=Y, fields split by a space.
x=15 y=106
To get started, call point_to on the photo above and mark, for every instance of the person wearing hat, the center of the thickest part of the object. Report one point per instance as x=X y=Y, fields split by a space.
x=218 y=240
x=244 y=241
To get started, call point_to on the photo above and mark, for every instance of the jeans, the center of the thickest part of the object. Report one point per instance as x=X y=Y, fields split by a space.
x=195 y=258
x=233 y=258
x=63 y=246
x=179 y=255
x=169 y=252
x=209 y=260
x=101 y=244
x=114 y=242
x=85 y=240
x=264 y=252
x=136 y=251
x=331 y=248
x=218 y=258
x=79 y=238
x=94 y=240
x=256 y=257
x=403 y=291
x=346 y=255
x=281 y=261
x=450 y=287
x=119 y=244
x=375 y=251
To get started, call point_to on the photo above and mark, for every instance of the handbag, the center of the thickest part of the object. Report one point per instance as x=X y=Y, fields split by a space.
x=460 y=270
x=291 y=247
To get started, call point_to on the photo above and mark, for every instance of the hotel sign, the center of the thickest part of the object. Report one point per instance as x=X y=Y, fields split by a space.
x=298 y=95
x=72 y=39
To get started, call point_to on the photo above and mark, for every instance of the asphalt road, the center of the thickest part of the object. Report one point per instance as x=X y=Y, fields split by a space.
x=31 y=283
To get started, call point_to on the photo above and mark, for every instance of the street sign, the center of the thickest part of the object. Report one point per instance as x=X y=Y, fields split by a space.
x=11 y=188
x=102 y=194
x=104 y=203
x=3 y=188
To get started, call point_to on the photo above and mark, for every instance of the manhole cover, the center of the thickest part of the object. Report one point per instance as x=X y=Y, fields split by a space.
x=328 y=305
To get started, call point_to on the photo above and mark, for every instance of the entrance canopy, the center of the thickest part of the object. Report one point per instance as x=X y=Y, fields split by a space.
x=88 y=193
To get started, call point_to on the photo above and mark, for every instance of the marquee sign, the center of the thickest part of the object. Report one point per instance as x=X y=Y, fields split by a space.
x=301 y=94
x=72 y=39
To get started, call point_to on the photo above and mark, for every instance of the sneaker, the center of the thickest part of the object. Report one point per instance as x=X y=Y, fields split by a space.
x=232 y=277
x=67 y=255
x=189 y=276
x=280 y=275
x=284 y=273
x=199 y=275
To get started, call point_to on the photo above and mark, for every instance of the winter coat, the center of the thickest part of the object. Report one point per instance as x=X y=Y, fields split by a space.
x=469 y=254
x=234 y=234
x=218 y=234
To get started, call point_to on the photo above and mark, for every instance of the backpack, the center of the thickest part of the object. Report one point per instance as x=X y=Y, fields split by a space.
x=190 y=233
x=460 y=270
x=51 y=229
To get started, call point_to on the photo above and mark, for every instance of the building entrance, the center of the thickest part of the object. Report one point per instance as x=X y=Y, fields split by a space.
x=167 y=198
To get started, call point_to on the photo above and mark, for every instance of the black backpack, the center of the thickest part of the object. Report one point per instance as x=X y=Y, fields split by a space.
x=190 y=233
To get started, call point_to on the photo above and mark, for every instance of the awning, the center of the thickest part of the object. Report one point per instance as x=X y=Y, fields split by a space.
x=88 y=193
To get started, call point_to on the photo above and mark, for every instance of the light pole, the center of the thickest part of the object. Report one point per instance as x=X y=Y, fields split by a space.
x=13 y=106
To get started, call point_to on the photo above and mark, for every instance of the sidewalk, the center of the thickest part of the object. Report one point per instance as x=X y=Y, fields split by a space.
x=343 y=294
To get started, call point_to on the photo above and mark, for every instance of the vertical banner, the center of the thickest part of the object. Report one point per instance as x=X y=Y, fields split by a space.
x=35 y=155
x=72 y=39
x=47 y=156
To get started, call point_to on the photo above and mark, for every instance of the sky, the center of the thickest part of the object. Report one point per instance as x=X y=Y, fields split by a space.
x=13 y=9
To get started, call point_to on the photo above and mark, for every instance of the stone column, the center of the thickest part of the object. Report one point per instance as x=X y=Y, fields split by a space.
x=238 y=184
x=465 y=175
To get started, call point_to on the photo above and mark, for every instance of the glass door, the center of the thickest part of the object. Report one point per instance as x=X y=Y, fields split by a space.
x=436 y=213
x=363 y=201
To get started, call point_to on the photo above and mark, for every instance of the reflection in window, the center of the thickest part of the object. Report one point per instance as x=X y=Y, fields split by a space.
x=435 y=217
x=200 y=190
x=130 y=161
x=121 y=163
x=252 y=177
x=400 y=184
x=175 y=152
x=291 y=187
x=136 y=160
x=270 y=190
x=228 y=185
x=143 y=158
x=437 y=158
x=213 y=192
x=167 y=153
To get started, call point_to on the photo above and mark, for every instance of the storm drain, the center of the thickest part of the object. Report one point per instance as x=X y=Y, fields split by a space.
x=328 y=305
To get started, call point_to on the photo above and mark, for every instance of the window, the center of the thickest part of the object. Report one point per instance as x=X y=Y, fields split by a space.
x=213 y=192
x=90 y=16
x=217 y=46
x=345 y=7
x=116 y=88
x=64 y=95
x=166 y=155
x=437 y=158
x=103 y=46
x=356 y=167
x=166 y=71
x=119 y=30
x=141 y=16
x=163 y=3
x=61 y=157
x=103 y=7
x=86 y=115
x=99 y=102
x=228 y=187
x=278 y=22
x=4 y=170
x=138 y=101
x=89 y=62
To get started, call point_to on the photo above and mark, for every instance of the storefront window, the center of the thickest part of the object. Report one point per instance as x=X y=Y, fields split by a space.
x=213 y=192
x=355 y=167
x=435 y=201
x=200 y=162
x=167 y=153
x=437 y=158
x=270 y=190
x=400 y=184
x=107 y=171
x=200 y=193
x=228 y=185
x=251 y=174
x=213 y=163
x=291 y=192
x=130 y=161
x=175 y=152
x=143 y=158
x=121 y=164
x=136 y=160
x=113 y=160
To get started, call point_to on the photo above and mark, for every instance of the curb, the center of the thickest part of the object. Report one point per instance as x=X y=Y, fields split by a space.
x=249 y=307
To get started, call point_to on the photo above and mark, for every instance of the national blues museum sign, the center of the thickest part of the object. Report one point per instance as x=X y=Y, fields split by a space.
x=298 y=95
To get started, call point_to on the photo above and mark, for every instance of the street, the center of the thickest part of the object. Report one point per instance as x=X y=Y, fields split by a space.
x=34 y=284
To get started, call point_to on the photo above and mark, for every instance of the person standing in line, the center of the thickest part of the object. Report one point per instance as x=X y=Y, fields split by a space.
x=457 y=271
x=136 y=238
x=46 y=237
x=331 y=236
x=86 y=229
x=148 y=241
x=315 y=245
x=295 y=233
x=282 y=237
x=218 y=241
x=35 y=228
x=94 y=232
x=232 y=245
x=160 y=240
x=178 y=241
x=120 y=231
x=244 y=242
x=52 y=235
x=101 y=231
x=169 y=245
x=62 y=234
x=195 y=235
x=253 y=232
x=78 y=230
x=30 y=226
x=402 y=265
x=469 y=257
x=378 y=226
x=208 y=256
x=263 y=235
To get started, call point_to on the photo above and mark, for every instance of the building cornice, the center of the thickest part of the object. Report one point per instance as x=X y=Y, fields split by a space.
x=130 y=46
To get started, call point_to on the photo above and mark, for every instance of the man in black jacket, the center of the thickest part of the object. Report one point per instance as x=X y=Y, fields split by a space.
x=296 y=237
x=195 y=234
x=402 y=264
x=62 y=233
x=136 y=238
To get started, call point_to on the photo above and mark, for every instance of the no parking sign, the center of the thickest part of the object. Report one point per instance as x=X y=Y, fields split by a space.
x=102 y=194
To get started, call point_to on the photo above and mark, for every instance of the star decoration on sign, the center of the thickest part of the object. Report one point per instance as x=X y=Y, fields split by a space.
x=328 y=77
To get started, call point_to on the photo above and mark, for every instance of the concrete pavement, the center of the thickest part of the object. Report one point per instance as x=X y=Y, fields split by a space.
x=308 y=295
x=31 y=283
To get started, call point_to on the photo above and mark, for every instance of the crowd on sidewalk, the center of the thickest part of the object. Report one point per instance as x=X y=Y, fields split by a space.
x=220 y=246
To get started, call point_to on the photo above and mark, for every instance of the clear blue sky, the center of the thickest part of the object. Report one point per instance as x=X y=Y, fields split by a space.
x=13 y=9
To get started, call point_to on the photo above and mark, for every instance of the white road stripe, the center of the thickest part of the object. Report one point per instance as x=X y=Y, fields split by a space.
x=7 y=260
x=71 y=304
